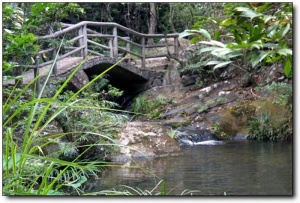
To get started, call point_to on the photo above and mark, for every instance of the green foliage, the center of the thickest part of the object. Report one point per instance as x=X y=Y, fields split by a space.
x=44 y=16
x=173 y=133
x=284 y=94
x=262 y=128
x=27 y=169
x=255 y=38
x=151 y=107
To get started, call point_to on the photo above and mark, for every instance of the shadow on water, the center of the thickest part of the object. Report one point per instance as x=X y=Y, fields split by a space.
x=231 y=168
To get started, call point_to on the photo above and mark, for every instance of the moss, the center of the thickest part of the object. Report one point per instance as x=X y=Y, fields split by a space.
x=233 y=120
x=177 y=124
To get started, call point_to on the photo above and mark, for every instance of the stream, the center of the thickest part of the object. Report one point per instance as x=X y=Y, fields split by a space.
x=224 y=168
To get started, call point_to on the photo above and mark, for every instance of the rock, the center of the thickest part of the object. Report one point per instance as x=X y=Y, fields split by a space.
x=187 y=80
x=145 y=140
x=157 y=82
x=80 y=79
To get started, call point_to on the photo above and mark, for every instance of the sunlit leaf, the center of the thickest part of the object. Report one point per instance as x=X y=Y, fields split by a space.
x=195 y=32
x=195 y=39
x=221 y=52
x=248 y=13
x=206 y=49
x=285 y=52
x=228 y=21
x=220 y=65
x=288 y=68
x=213 y=42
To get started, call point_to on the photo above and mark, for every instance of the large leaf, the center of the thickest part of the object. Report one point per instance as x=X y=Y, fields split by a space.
x=256 y=58
x=214 y=43
x=270 y=45
x=248 y=13
x=285 y=52
x=221 y=52
x=195 y=32
x=288 y=68
x=282 y=32
x=220 y=65
x=270 y=31
x=206 y=49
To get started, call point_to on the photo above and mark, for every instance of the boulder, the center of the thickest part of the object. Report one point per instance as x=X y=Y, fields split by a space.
x=145 y=140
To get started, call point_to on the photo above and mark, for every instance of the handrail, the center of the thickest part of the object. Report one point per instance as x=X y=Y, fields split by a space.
x=83 y=33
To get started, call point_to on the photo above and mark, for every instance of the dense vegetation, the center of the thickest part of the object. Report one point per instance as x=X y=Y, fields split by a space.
x=249 y=36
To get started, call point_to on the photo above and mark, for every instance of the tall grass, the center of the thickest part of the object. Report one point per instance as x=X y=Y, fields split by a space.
x=26 y=170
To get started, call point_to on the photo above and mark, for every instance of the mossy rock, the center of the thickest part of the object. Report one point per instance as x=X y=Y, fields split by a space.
x=280 y=115
x=233 y=120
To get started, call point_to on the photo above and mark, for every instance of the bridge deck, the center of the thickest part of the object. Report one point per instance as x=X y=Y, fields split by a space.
x=64 y=65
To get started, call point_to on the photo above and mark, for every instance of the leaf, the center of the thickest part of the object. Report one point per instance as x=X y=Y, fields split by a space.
x=217 y=35
x=282 y=32
x=220 y=65
x=266 y=18
x=185 y=34
x=206 y=49
x=272 y=28
x=285 y=52
x=288 y=68
x=256 y=58
x=270 y=45
x=234 y=54
x=248 y=13
x=256 y=37
x=213 y=42
x=221 y=52
x=195 y=39
x=237 y=36
x=228 y=21
x=195 y=32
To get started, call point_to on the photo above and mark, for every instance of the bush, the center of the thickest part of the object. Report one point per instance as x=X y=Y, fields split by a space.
x=151 y=107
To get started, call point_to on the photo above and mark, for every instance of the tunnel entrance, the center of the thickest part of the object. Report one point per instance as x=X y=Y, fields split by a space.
x=130 y=83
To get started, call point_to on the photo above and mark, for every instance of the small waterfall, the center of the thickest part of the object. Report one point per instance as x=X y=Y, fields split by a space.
x=191 y=138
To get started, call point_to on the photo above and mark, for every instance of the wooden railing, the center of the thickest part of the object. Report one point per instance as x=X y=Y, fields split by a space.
x=101 y=39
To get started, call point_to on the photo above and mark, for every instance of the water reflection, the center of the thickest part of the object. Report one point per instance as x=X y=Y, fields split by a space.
x=234 y=168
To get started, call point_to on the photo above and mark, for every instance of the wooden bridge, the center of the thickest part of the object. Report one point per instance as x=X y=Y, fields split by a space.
x=98 y=40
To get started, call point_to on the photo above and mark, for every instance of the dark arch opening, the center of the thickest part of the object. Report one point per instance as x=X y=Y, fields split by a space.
x=122 y=79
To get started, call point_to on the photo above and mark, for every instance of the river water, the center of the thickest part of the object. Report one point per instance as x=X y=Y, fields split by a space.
x=230 y=168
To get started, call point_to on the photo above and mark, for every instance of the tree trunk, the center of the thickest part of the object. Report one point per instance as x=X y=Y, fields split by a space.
x=153 y=22
x=171 y=15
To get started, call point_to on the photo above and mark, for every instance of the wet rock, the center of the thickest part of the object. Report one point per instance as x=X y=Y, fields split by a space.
x=192 y=137
x=145 y=140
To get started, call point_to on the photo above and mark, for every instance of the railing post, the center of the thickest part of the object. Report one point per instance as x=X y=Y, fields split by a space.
x=17 y=71
x=36 y=73
x=55 y=65
x=176 y=42
x=128 y=48
x=85 y=49
x=111 y=52
x=115 y=42
x=143 y=53
x=80 y=32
